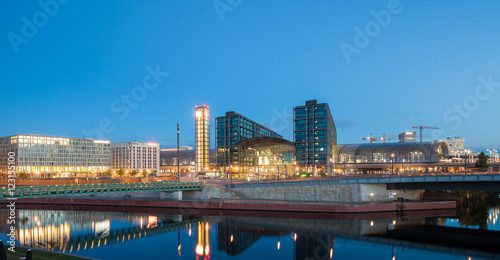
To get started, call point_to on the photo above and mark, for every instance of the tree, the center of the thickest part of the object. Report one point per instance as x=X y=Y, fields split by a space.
x=107 y=173
x=133 y=173
x=482 y=161
x=120 y=172
x=22 y=175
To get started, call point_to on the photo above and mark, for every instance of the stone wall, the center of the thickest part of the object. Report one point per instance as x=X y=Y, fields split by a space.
x=350 y=193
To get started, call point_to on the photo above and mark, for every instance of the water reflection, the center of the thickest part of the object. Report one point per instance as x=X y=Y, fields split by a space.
x=214 y=235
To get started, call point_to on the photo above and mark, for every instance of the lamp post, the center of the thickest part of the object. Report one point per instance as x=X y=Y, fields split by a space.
x=331 y=164
x=392 y=160
x=278 y=171
x=178 y=159
x=470 y=158
x=403 y=163
x=294 y=169
x=465 y=160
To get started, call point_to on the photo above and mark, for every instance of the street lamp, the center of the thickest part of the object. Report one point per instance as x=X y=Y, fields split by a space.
x=470 y=158
x=392 y=160
x=465 y=160
x=403 y=163
x=278 y=171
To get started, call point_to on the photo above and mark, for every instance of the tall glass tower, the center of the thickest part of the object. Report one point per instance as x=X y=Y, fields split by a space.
x=202 y=138
x=315 y=137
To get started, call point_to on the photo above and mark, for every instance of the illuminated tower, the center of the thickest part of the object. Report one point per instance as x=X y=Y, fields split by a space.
x=202 y=138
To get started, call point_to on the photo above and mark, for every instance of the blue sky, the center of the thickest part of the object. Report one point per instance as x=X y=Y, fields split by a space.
x=261 y=59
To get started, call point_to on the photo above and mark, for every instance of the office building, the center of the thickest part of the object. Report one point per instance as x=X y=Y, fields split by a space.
x=232 y=128
x=315 y=136
x=455 y=145
x=202 y=138
x=137 y=156
x=408 y=137
x=45 y=156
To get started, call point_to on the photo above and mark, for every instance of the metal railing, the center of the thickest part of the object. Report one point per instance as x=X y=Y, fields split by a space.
x=371 y=180
x=64 y=190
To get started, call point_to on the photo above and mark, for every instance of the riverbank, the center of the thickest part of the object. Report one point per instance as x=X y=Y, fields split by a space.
x=41 y=255
x=247 y=205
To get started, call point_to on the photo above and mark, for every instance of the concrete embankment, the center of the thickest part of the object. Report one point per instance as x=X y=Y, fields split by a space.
x=278 y=199
x=248 y=205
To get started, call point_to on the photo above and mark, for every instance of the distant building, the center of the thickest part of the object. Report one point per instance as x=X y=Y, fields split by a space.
x=455 y=145
x=315 y=136
x=47 y=156
x=168 y=159
x=232 y=128
x=408 y=137
x=202 y=138
x=386 y=157
x=136 y=156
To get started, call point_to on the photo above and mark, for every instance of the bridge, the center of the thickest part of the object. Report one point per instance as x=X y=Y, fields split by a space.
x=483 y=182
x=363 y=189
x=86 y=189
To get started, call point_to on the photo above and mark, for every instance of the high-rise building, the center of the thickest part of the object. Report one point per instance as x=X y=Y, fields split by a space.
x=231 y=129
x=202 y=138
x=408 y=137
x=54 y=156
x=136 y=156
x=455 y=145
x=315 y=136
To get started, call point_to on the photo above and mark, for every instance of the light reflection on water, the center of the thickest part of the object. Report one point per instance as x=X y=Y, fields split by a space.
x=119 y=235
x=490 y=220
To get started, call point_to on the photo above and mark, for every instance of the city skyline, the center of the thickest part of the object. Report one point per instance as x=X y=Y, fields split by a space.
x=70 y=78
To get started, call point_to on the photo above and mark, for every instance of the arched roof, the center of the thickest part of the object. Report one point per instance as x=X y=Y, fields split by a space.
x=383 y=152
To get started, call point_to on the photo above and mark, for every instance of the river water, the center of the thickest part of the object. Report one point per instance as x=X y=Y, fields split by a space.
x=135 y=233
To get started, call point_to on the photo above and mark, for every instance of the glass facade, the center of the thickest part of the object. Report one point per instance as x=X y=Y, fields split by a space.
x=266 y=156
x=231 y=129
x=425 y=152
x=54 y=155
x=315 y=136
x=202 y=138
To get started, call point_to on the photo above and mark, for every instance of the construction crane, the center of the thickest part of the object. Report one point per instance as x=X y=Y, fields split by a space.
x=425 y=127
x=379 y=138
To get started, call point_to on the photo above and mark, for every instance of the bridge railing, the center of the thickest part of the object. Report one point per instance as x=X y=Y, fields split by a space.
x=371 y=180
x=63 y=190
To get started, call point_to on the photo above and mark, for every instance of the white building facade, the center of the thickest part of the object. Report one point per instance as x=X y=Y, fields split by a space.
x=49 y=156
x=136 y=156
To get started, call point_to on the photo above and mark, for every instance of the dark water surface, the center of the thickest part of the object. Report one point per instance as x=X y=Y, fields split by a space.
x=134 y=233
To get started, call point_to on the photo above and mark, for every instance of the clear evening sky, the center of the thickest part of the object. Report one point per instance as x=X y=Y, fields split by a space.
x=382 y=66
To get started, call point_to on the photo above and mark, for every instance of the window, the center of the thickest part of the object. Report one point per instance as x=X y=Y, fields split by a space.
x=320 y=111
x=320 y=135
x=300 y=113
x=320 y=147
x=234 y=130
x=301 y=136
x=320 y=123
x=234 y=121
x=300 y=148
x=220 y=132
x=300 y=125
